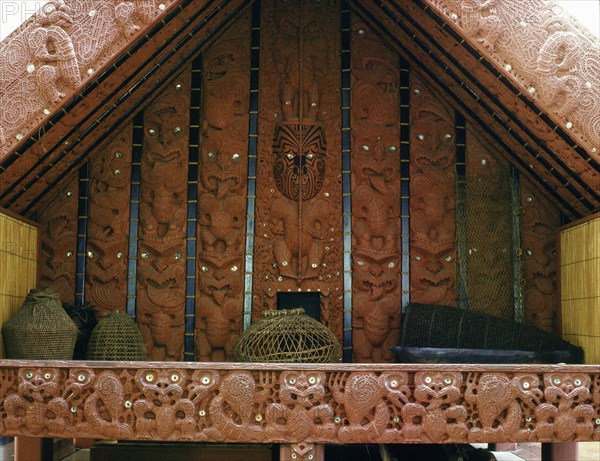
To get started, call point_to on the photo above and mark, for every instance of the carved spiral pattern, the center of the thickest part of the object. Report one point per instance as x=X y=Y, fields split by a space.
x=382 y=405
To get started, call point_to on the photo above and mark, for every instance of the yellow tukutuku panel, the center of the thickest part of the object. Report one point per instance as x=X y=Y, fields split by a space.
x=579 y=287
x=18 y=264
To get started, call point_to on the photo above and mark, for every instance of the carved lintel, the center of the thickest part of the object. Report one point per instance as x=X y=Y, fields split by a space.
x=300 y=404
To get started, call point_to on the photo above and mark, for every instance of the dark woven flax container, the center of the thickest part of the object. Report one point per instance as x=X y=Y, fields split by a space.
x=288 y=336
x=116 y=337
x=433 y=326
x=41 y=329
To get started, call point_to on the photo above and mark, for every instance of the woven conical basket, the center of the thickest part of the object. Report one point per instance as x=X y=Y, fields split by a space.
x=116 y=337
x=41 y=329
x=287 y=336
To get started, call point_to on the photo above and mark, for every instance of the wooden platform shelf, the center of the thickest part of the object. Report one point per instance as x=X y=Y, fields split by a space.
x=300 y=406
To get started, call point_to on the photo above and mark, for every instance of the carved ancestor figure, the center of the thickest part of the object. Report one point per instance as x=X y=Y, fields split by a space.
x=162 y=212
x=479 y=19
x=436 y=410
x=366 y=399
x=37 y=408
x=161 y=263
x=565 y=415
x=433 y=200
x=301 y=412
x=223 y=165
x=376 y=315
x=376 y=197
x=376 y=204
x=218 y=316
x=299 y=244
x=222 y=225
x=162 y=411
x=226 y=86
x=301 y=69
x=223 y=159
x=102 y=398
x=160 y=298
x=108 y=226
x=51 y=45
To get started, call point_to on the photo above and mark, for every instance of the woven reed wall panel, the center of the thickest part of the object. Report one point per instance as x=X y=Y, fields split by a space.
x=487 y=228
x=579 y=287
x=18 y=265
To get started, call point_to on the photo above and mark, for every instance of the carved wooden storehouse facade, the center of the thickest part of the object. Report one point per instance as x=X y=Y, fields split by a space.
x=190 y=161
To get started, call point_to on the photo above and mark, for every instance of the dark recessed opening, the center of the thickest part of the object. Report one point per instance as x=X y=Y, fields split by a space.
x=309 y=301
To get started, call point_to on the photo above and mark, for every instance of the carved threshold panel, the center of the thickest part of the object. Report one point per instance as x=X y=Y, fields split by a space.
x=302 y=404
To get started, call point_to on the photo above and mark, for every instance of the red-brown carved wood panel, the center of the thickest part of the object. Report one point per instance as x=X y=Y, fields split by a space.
x=541 y=220
x=58 y=224
x=161 y=256
x=222 y=193
x=432 y=197
x=298 y=210
x=383 y=403
x=375 y=196
x=108 y=226
x=298 y=241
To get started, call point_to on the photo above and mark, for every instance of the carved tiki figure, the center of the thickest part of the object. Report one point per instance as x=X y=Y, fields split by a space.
x=299 y=221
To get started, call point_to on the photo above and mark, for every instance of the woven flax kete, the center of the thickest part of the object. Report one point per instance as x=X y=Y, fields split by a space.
x=116 y=337
x=40 y=329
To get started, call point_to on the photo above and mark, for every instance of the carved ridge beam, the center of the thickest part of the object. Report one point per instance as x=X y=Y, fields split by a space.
x=485 y=109
x=303 y=403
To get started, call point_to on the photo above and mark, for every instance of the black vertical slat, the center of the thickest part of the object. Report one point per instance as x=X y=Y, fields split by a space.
x=346 y=35
x=405 y=181
x=252 y=158
x=515 y=186
x=134 y=212
x=82 y=227
x=192 y=210
x=461 y=238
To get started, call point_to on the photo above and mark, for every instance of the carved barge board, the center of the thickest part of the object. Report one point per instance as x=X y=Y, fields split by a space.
x=300 y=404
